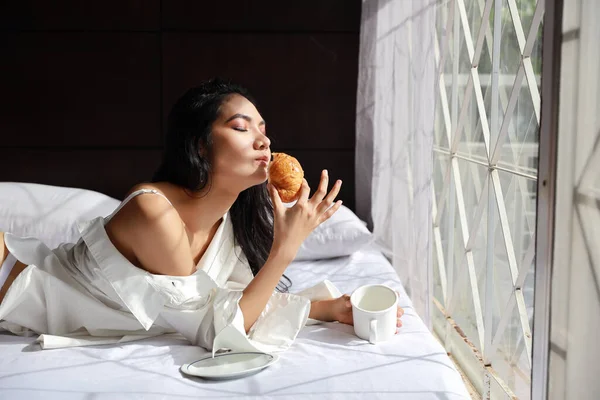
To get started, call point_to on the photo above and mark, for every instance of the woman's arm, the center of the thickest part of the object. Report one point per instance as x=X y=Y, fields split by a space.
x=271 y=272
x=257 y=293
x=291 y=226
x=339 y=309
x=321 y=310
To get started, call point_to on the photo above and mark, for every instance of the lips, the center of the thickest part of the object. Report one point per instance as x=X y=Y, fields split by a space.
x=264 y=158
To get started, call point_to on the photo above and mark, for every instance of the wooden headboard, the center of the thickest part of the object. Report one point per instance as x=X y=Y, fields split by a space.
x=86 y=86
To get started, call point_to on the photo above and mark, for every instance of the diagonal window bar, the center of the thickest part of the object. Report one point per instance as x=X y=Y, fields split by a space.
x=488 y=194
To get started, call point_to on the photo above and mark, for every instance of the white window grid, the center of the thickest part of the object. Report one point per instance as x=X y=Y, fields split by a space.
x=454 y=276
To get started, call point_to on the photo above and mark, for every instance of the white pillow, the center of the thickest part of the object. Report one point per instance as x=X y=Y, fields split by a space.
x=341 y=235
x=49 y=213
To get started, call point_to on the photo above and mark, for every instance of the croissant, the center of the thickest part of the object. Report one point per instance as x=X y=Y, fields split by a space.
x=286 y=174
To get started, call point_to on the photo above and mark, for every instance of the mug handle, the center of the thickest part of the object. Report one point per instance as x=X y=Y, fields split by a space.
x=373 y=331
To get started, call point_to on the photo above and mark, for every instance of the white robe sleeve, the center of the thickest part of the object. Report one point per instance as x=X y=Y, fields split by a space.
x=275 y=329
x=277 y=326
x=219 y=323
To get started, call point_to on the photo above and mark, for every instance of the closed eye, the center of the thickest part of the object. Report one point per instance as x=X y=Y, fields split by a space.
x=240 y=129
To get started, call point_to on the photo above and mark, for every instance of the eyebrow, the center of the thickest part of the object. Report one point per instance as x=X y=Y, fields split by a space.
x=243 y=116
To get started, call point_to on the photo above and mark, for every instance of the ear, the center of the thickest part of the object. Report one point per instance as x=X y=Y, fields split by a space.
x=202 y=150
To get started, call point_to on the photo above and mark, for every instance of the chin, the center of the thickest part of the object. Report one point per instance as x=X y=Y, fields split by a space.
x=262 y=179
x=255 y=179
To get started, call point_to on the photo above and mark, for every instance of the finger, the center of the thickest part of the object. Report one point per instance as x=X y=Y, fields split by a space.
x=322 y=189
x=398 y=323
x=347 y=301
x=400 y=312
x=277 y=203
x=304 y=192
x=328 y=201
x=327 y=214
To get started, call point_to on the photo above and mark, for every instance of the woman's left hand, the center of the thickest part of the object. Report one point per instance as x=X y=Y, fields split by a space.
x=341 y=310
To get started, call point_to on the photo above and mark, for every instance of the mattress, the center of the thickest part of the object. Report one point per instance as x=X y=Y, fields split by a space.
x=327 y=361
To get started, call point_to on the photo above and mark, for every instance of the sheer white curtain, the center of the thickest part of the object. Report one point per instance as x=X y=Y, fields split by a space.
x=395 y=117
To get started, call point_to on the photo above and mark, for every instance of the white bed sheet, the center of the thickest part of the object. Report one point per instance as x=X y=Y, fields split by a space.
x=327 y=361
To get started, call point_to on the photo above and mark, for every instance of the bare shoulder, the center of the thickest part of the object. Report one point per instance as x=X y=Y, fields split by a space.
x=141 y=210
x=149 y=205
x=149 y=232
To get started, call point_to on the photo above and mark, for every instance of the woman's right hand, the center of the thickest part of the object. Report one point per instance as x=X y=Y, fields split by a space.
x=292 y=225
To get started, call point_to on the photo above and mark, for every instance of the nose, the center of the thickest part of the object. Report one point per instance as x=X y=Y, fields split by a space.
x=262 y=142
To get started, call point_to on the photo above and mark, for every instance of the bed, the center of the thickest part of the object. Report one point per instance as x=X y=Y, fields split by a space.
x=327 y=361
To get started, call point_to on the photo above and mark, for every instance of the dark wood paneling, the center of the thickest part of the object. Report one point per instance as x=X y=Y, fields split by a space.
x=83 y=91
x=78 y=88
x=339 y=165
x=305 y=84
x=112 y=172
x=265 y=15
x=80 y=15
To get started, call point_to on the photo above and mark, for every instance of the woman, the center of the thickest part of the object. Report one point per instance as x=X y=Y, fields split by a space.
x=198 y=251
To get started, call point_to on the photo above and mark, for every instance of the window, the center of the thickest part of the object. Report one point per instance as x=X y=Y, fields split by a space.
x=485 y=180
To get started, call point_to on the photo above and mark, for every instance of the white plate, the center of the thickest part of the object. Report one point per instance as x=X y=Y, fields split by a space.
x=229 y=365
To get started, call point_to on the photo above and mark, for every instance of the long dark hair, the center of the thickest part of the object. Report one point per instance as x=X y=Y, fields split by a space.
x=186 y=163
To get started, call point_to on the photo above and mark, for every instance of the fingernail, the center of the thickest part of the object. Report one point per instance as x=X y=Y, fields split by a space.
x=339 y=182
x=325 y=172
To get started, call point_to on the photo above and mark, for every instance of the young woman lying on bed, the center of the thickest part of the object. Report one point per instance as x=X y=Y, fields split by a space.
x=201 y=253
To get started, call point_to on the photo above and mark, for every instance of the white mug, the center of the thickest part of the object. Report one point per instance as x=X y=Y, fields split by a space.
x=374 y=309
